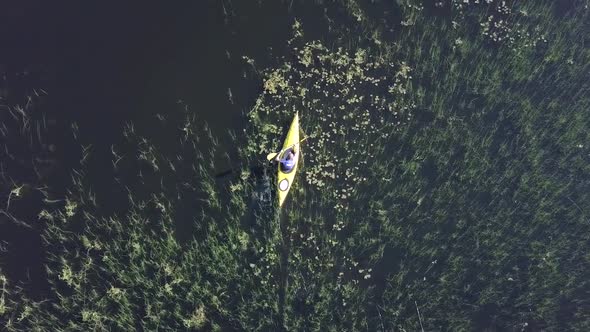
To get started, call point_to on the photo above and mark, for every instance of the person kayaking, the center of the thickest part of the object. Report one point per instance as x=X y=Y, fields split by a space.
x=288 y=160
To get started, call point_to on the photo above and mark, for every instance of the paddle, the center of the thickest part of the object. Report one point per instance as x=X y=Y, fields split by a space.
x=272 y=156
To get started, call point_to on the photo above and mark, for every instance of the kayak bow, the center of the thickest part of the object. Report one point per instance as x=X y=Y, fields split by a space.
x=285 y=180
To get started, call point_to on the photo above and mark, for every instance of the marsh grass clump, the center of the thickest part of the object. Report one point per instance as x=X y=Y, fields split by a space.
x=117 y=258
x=444 y=186
x=469 y=175
x=348 y=100
x=461 y=216
x=519 y=28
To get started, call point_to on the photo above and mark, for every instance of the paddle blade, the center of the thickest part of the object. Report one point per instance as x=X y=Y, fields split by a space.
x=271 y=156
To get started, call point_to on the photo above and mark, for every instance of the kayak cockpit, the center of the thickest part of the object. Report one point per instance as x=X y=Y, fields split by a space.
x=290 y=145
x=284 y=163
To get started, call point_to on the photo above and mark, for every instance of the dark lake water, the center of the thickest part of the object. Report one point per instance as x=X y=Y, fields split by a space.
x=106 y=64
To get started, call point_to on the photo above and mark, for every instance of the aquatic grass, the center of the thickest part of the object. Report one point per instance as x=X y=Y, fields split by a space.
x=23 y=131
x=128 y=267
x=481 y=163
x=332 y=125
x=446 y=190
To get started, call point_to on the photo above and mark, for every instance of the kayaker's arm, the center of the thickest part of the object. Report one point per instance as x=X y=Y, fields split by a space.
x=273 y=155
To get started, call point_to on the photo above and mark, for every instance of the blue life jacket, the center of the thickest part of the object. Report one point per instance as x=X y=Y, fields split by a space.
x=287 y=164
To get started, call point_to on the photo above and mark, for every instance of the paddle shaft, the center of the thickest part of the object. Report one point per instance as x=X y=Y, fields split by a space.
x=273 y=155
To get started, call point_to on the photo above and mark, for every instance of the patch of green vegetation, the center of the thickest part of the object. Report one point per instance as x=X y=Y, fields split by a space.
x=444 y=187
x=472 y=209
x=127 y=269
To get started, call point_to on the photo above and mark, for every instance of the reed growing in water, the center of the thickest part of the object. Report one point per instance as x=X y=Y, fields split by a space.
x=444 y=187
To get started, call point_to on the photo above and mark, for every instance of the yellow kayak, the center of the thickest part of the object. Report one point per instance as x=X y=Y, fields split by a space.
x=285 y=180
